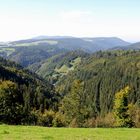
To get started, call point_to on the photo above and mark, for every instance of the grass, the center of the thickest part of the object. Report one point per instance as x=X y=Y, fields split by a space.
x=50 y=42
x=43 y=133
x=65 y=69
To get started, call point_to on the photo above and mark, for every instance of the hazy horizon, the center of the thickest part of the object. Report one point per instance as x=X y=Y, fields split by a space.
x=80 y=18
x=130 y=41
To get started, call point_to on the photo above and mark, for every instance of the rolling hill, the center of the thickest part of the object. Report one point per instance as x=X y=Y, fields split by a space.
x=104 y=74
x=59 y=65
x=87 y=81
x=30 y=51
x=134 y=46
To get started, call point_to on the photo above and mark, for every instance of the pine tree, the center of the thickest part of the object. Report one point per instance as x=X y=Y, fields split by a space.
x=74 y=105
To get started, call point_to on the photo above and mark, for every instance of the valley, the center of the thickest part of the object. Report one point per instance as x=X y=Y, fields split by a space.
x=51 y=77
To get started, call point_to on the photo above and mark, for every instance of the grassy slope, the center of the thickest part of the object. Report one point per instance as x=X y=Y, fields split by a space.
x=58 y=65
x=42 y=133
x=65 y=69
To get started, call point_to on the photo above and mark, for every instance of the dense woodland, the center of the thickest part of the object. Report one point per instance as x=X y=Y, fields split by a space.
x=22 y=93
x=59 y=65
x=102 y=75
x=73 y=89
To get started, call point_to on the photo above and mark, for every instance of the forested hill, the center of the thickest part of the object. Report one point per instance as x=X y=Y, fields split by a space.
x=104 y=74
x=21 y=92
x=31 y=51
x=84 y=92
x=56 y=66
x=134 y=46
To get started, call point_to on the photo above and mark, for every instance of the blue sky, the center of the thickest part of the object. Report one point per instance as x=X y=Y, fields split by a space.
x=22 y=19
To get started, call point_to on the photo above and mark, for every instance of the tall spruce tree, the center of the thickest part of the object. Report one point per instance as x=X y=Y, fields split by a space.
x=74 y=104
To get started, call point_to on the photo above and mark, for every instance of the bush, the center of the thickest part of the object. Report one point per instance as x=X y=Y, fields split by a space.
x=106 y=121
x=46 y=118
x=134 y=112
x=90 y=123
x=74 y=123
x=121 y=109
x=59 y=120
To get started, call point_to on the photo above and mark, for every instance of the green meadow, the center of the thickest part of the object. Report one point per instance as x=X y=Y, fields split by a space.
x=8 y=132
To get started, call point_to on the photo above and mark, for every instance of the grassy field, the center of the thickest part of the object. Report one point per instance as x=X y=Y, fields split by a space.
x=44 y=133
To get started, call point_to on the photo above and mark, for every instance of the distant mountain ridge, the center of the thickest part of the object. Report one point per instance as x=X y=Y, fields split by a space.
x=106 y=42
x=90 y=44
x=34 y=50
x=134 y=46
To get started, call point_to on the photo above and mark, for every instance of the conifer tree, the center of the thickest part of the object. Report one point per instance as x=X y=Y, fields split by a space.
x=73 y=104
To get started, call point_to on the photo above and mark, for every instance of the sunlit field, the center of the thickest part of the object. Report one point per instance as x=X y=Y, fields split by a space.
x=44 y=133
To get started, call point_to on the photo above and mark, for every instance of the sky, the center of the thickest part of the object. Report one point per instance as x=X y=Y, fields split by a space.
x=21 y=19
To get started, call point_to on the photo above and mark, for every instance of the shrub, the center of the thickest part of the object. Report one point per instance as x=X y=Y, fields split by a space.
x=59 y=120
x=121 y=109
x=46 y=118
